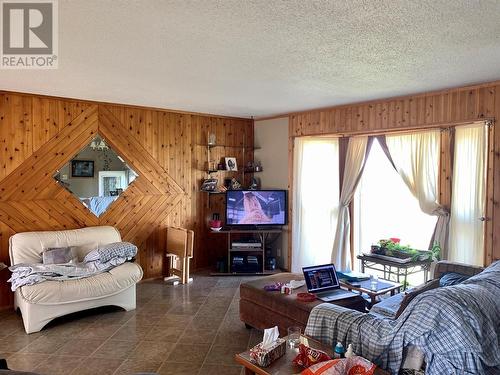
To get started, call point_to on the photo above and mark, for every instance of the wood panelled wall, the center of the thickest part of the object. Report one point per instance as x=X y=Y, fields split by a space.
x=434 y=109
x=40 y=134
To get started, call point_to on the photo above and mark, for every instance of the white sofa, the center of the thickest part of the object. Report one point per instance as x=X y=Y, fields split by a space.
x=41 y=303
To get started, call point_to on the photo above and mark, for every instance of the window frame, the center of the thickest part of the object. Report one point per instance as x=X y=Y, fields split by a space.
x=445 y=177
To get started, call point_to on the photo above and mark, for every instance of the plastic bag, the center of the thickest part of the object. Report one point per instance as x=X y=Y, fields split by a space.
x=346 y=366
x=308 y=356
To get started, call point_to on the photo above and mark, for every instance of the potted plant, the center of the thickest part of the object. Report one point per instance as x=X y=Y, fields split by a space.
x=392 y=248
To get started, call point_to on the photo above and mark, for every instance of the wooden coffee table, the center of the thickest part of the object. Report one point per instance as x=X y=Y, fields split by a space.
x=284 y=365
x=383 y=287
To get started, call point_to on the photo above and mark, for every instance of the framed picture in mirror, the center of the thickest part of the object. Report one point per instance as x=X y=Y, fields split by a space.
x=82 y=168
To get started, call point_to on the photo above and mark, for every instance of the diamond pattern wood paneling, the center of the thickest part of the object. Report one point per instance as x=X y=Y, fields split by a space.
x=40 y=134
x=28 y=195
x=30 y=199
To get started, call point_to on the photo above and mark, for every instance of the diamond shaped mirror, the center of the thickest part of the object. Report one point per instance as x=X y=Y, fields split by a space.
x=97 y=176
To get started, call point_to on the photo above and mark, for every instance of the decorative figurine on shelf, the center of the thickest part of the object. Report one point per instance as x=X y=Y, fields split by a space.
x=235 y=184
x=211 y=139
x=209 y=184
x=212 y=166
x=257 y=167
x=221 y=167
x=254 y=184
x=249 y=167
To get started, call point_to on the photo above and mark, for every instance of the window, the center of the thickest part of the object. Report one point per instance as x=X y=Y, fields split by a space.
x=384 y=202
x=384 y=207
x=315 y=200
x=468 y=194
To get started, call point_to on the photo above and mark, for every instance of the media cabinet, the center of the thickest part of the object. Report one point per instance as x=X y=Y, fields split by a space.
x=263 y=235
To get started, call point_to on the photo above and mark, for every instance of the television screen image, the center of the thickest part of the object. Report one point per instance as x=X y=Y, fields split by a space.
x=256 y=207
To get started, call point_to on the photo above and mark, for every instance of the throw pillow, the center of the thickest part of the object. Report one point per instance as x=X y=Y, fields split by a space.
x=59 y=255
x=410 y=295
x=452 y=278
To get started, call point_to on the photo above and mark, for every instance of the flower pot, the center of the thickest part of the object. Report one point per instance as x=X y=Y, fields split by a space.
x=215 y=223
x=377 y=250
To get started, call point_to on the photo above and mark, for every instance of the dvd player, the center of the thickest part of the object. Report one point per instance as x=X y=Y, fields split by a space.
x=246 y=244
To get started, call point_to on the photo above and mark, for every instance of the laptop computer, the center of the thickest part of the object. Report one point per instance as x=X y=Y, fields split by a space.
x=323 y=282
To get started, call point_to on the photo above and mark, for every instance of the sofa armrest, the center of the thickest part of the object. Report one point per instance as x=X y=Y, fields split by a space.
x=329 y=323
x=444 y=266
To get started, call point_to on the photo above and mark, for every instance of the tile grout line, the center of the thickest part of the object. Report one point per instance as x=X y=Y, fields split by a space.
x=105 y=341
x=200 y=299
x=109 y=338
x=178 y=338
x=114 y=372
x=215 y=337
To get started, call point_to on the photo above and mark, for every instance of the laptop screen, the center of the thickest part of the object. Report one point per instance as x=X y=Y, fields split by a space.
x=321 y=278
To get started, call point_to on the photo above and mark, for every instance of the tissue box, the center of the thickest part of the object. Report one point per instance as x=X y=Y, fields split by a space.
x=264 y=357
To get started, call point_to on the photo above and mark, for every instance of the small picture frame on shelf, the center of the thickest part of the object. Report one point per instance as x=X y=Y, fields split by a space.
x=209 y=185
x=231 y=164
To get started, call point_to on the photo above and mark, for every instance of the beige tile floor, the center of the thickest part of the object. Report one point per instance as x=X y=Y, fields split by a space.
x=181 y=330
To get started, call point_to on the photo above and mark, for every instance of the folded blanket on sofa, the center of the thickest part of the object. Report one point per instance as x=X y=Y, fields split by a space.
x=109 y=251
x=456 y=328
x=102 y=260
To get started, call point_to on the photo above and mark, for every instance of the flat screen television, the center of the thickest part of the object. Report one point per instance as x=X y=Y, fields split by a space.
x=256 y=207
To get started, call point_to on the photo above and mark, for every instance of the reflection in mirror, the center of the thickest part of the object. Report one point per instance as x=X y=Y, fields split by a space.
x=97 y=176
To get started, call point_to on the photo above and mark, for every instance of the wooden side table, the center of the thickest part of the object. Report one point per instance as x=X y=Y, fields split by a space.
x=284 y=365
x=383 y=287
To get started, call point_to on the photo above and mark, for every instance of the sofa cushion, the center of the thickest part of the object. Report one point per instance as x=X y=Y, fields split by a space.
x=28 y=247
x=388 y=307
x=452 y=278
x=97 y=286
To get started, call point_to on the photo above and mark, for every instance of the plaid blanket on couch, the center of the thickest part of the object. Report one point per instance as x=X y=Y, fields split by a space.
x=456 y=327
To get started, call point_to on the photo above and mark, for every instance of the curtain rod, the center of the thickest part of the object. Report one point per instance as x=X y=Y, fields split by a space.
x=443 y=126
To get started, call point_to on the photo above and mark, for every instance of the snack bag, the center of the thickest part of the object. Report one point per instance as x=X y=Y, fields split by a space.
x=308 y=356
x=346 y=366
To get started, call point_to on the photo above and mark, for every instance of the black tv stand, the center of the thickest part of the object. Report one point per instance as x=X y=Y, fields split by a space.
x=259 y=251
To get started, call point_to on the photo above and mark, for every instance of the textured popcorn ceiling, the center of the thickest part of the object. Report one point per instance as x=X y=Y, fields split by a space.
x=258 y=58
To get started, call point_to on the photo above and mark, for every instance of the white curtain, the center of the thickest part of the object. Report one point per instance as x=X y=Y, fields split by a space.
x=354 y=163
x=468 y=194
x=384 y=207
x=416 y=158
x=315 y=200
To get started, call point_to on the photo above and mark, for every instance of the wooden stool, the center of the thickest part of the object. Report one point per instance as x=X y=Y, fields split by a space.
x=179 y=252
